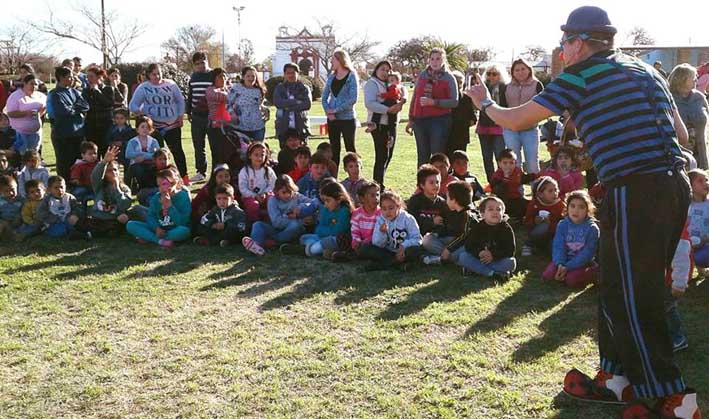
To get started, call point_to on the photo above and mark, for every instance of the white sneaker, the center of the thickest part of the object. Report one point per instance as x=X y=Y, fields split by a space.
x=526 y=250
x=431 y=260
x=198 y=177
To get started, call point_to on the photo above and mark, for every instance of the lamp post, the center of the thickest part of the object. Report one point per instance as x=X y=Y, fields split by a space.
x=103 y=35
x=238 y=10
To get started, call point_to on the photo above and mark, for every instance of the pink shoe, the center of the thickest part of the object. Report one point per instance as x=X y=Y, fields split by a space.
x=253 y=247
x=166 y=243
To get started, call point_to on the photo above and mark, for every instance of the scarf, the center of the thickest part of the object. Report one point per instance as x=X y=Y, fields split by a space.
x=433 y=77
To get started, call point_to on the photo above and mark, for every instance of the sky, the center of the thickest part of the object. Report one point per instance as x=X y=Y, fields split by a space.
x=507 y=26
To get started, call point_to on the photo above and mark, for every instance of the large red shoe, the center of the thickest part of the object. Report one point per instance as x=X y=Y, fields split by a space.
x=604 y=388
x=677 y=406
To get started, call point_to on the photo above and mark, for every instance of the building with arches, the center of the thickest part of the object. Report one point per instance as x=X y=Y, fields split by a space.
x=302 y=48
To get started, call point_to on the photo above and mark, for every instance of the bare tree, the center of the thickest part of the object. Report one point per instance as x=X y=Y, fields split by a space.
x=188 y=40
x=327 y=38
x=120 y=36
x=534 y=52
x=20 y=45
x=235 y=62
x=637 y=36
x=479 y=55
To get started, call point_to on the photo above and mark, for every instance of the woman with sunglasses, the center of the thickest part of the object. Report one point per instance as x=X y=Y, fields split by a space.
x=489 y=133
x=625 y=113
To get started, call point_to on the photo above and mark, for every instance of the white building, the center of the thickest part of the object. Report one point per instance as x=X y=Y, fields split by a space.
x=298 y=48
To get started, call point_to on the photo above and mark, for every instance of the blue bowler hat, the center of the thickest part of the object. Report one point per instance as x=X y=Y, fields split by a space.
x=589 y=19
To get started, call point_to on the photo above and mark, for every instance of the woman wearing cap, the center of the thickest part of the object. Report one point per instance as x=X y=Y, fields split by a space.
x=339 y=97
x=693 y=108
x=624 y=112
x=435 y=96
x=523 y=87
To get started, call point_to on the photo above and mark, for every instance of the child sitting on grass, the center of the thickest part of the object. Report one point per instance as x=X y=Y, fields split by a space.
x=206 y=197
x=168 y=218
x=5 y=167
x=543 y=214
x=120 y=133
x=333 y=220
x=427 y=206
x=256 y=182
x=490 y=245
x=31 y=225
x=325 y=148
x=460 y=163
x=458 y=220
x=309 y=185
x=286 y=157
x=575 y=244
x=362 y=221
x=353 y=166
x=10 y=207
x=80 y=174
x=288 y=212
x=699 y=218
x=60 y=211
x=33 y=169
x=224 y=224
x=506 y=183
x=302 y=164
x=396 y=239
x=139 y=152
x=563 y=170
x=162 y=159
x=112 y=197
x=440 y=162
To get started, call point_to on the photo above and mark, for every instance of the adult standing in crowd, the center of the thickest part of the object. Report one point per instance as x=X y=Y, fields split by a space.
x=101 y=99
x=76 y=62
x=25 y=70
x=114 y=80
x=647 y=195
x=292 y=99
x=435 y=96
x=338 y=100
x=383 y=142
x=216 y=97
x=521 y=89
x=196 y=108
x=463 y=117
x=245 y=103
x=703 y=80
x=25 y=107
x=68 y=109
x=489 y=133
x=162 y=100
x=693 y=109
x=658 y=67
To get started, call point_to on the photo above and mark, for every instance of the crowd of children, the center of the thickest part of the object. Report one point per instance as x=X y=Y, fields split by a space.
x=296 y=205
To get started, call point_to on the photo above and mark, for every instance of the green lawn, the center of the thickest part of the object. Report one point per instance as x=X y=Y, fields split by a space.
x=114 y=329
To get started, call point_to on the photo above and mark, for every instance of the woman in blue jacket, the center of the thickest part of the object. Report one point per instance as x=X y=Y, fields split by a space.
x=338 y=100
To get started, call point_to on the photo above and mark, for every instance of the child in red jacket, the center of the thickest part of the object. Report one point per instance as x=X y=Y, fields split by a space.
x=543 y=214
x=80 y=175
x=506 y=183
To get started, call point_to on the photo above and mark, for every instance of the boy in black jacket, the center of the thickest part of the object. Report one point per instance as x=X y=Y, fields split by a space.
x=225 y=223
x=490 y=246
x=427 y=206
x=459 y=219
x=459 y=163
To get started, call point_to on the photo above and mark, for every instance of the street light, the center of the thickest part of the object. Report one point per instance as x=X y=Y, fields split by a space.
x=238 y=10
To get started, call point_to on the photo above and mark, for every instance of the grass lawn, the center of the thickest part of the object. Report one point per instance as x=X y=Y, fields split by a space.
x=111 y=329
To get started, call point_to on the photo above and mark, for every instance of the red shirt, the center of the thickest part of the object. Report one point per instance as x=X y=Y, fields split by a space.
x=81 y=172
x=296 y=173
x=556 y=212
x=513 y=182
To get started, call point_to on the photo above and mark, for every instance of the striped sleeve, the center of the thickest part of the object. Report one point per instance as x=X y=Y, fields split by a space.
x=566 y=92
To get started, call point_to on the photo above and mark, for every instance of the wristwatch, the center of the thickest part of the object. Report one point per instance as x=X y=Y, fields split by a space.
x=486 y=104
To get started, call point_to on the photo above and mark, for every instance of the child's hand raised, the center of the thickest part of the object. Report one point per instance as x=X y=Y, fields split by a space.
x=111 y=153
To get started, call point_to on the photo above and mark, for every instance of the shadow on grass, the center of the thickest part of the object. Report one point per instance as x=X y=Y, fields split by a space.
x=576 y=317
x=568 y=408
x=450 y=287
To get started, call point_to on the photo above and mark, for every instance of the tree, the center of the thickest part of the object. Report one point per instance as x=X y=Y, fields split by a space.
x=21 y=45
x=637 y=36
x=188 y=40
x=534 y=53
x=479 y=55
x=87 y=30
x=328 y=38
x=412 y=54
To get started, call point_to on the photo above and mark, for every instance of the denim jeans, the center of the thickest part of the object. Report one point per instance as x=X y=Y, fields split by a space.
x=27 y=142
x=474 y=264
x=490 y=146
x=674 y=321
x=256 y=135
x=262 y=231
x=199 y=128
x=527 y=141
x=701 y=256
x=435 y=245
x=142 y=230
x=315 y=245
x=431 y=136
